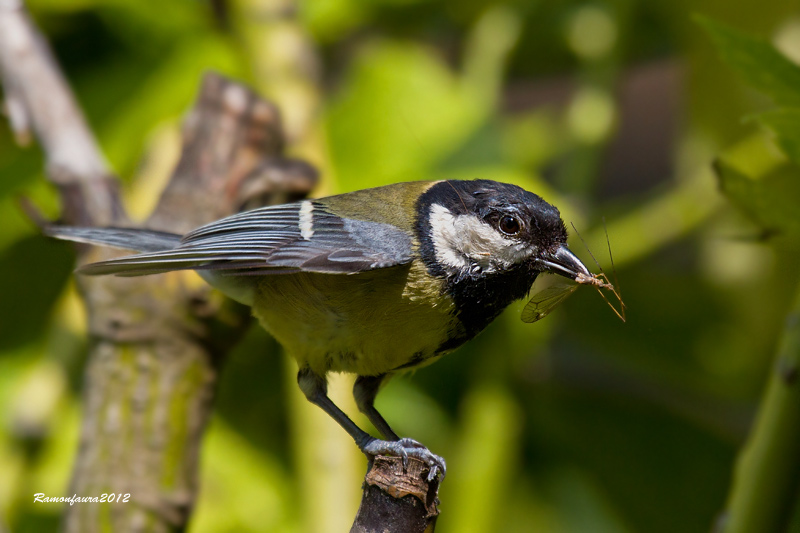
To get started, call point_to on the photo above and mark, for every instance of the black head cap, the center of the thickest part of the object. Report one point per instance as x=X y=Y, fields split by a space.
x=518 y=215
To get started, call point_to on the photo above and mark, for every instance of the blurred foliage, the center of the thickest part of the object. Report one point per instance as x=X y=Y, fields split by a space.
x=607 y=108
x=760 y=180
x=758 y=176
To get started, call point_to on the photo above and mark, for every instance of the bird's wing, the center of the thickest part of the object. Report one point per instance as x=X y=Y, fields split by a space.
x=304 y=236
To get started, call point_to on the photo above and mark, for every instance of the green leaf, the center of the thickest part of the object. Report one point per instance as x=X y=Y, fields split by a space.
x=785 y=124
x=769 y=196
x=757 y=62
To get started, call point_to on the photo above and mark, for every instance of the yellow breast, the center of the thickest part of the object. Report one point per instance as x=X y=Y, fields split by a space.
x=368 y=323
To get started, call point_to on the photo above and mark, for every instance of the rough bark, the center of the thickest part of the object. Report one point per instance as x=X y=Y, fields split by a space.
x=397 y=501
x=157 y=340
x=152 y=370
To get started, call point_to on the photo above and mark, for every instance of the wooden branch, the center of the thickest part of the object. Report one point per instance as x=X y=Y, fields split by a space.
x=37 y=97
x=395 y=501
x=153 y=364
x=229 y=134
x=152 y=371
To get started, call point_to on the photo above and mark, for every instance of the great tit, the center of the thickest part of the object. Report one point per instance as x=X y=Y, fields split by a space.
x=372 y=282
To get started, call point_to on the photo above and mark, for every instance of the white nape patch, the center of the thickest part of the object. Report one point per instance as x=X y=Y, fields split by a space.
x=465 y=242
x=306 y=219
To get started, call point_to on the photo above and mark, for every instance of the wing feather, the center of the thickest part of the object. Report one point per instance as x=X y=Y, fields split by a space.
x=270 y=240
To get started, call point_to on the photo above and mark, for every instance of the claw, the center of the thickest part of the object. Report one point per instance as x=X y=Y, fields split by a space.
x=411 y=443
x=405 y=448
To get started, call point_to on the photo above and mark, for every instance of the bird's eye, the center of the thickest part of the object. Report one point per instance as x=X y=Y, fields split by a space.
x=509 y=225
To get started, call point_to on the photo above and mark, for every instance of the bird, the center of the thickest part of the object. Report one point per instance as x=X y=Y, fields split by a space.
x=373 y=282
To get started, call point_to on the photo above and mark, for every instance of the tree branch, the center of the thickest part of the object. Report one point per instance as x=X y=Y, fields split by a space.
x=395 y=501
x=37 y=96
x=767 y=477
x=151 y=375
x=153 y=363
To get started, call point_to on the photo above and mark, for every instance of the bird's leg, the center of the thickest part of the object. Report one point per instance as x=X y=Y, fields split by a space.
x=315 y=388
x=364 y=391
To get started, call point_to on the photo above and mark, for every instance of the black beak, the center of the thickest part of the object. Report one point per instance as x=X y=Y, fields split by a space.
x=564 y=263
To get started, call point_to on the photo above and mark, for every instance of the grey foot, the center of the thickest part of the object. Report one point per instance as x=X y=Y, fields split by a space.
x=405 y=448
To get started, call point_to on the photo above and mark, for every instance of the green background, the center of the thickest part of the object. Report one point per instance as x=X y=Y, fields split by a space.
x=610 y=109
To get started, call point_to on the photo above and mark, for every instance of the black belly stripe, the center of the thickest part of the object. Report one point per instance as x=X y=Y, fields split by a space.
x=416 y=359
x=452 y=343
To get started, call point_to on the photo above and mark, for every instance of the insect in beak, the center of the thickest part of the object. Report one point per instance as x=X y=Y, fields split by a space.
x=565 y=263
x=600 y=281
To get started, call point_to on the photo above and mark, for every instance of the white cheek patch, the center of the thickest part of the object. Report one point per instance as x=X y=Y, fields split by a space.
x=464 y=242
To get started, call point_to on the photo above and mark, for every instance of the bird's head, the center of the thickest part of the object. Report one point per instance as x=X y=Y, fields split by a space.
x=480 y=229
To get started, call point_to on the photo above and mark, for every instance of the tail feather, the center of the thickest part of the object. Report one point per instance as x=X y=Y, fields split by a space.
x=125 y=238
